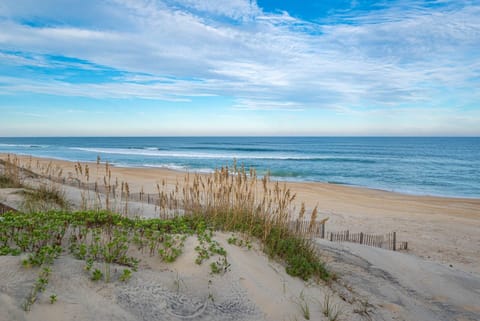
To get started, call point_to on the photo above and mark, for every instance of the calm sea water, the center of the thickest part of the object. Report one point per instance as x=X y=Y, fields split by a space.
x=416 y=165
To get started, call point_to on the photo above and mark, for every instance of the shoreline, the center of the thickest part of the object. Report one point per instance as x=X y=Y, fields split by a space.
x=273 y=178
x=439 y=229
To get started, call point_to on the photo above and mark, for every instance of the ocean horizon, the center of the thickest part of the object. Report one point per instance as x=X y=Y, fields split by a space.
x=437 y=166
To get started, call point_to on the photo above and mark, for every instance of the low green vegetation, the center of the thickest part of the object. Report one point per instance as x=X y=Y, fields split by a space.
x=98 y=238
x=39 y=286
x=331 y=310
x=97 y=275
x=240 y=242
x=230 y=200
x=303 y=305
x=53 y=298
x=279 y=242
x=126 y=275
x=208 y=248
x=103 y=237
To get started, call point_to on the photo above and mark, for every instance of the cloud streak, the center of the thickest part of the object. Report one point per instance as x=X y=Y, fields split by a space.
x=176 y=50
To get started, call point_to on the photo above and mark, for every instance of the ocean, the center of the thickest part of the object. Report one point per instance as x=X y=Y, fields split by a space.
x=443 y=166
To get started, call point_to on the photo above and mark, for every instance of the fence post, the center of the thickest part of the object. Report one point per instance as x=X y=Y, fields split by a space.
x=347 y=236
x=394 y=241
x=323 y=230
x=361 y=237
x=331 y=237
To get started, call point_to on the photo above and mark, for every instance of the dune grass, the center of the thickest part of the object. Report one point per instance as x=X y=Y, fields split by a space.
x=44 y=197
x=230 y=199
x=10 y=173
x=7 y=182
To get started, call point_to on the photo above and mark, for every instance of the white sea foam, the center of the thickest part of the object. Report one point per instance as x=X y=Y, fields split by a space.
x=23 y=145
x=176 y=167
x=180 y=154
x=167 y=166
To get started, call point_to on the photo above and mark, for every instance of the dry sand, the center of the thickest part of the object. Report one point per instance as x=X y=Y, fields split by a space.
x=254 y=288
x=440 y=229
x=401 y=286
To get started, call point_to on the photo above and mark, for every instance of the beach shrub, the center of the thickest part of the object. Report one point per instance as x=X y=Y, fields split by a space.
x=97 y=275
x=126 y=275
x=106 y=237
x=53 y=298
x=231 y=199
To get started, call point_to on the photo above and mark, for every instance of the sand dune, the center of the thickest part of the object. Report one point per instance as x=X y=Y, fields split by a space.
x=392 y=286
x=254 y=288
x=439 y=229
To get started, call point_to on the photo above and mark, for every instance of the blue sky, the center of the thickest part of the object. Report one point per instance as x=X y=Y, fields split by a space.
x=216 y=67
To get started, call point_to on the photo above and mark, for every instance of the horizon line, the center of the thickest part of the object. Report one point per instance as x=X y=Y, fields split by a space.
x=233 y=136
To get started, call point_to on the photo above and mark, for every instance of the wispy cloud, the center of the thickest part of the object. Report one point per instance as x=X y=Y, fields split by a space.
x=406 y=52
x=31 y=115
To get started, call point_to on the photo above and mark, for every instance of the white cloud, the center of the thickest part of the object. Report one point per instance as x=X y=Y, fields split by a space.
x=235 y=9
x=31 y=115
x=175 y=50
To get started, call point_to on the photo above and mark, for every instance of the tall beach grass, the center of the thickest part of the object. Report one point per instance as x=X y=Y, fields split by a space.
x=231 y=199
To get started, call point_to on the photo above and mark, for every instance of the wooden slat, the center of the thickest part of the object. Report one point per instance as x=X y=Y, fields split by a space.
x=387 y=241
x=5 y=208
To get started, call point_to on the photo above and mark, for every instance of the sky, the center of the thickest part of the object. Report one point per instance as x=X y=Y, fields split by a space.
x=239 y=67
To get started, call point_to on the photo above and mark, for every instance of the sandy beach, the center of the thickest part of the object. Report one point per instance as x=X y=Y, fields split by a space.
x=166 y=160
x=439 y=229
x=437 y=278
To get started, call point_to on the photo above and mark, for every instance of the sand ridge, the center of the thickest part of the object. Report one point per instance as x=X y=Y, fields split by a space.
x=440 y=229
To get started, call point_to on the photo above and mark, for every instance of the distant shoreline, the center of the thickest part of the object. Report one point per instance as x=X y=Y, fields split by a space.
x=180 y=172
x=413 y=165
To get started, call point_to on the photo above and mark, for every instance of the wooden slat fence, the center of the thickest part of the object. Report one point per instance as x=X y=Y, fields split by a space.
x=315 y=229
x=386 y=241
x=5 y=208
